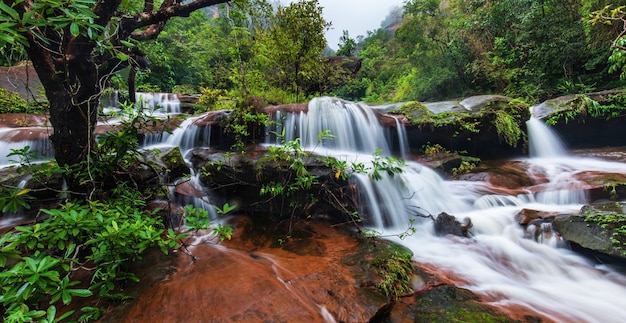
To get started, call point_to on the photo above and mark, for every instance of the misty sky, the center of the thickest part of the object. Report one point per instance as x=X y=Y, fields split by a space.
x=355 y=16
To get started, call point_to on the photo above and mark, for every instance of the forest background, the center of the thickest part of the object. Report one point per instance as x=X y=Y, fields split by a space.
x=427 y=50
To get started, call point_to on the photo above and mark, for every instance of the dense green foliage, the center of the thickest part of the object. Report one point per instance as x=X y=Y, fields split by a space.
x=528 y=49
x=86 y=247
x=244 y=48
x=442 y=49
x=11 y=102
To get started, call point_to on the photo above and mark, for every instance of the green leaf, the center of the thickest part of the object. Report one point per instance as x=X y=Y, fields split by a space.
x=66 y=297
x=127 y=44
x=74 y=29
x=52 y=312
x=80 y=292
x=121 y=56
x=9 y=11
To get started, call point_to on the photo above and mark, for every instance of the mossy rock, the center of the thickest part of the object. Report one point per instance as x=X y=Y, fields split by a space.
x=496 y=130
x=412 y=110
x=574 y=106
x=384 y=266
x=170 y=161
x=446 y=303
x=598 y=228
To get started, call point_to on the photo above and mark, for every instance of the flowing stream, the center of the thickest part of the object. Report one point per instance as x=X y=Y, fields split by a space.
x=498 y=261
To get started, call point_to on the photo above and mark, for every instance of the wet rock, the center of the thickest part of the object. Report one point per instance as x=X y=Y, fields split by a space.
x=211 y=118
x=444 y=106
x=447 y=224
x=444 y=161
x=24 y=134
x=22 y=78
x=239 y=282
x=253 y=178
x=478 y=102
x=593 y=231
x=168 y=161
x=448 y=303
x=187 y=102
x=392 y=121
x=16 y=120
x=527 y=216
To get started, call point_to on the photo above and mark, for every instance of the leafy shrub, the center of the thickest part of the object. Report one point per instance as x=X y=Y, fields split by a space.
x=184 y=89
x=11 y=102
x=148 y=88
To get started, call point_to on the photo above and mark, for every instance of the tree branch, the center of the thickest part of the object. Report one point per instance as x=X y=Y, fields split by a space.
x=154 y=19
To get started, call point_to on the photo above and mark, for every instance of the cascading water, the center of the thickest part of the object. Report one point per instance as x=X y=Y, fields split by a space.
x=542 y=141
x=354 y=126
x=37 y=141
x=497 y=261
x=165 y=103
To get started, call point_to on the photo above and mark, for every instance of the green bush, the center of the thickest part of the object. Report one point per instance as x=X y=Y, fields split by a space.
x=11 y=102
x=185 y=89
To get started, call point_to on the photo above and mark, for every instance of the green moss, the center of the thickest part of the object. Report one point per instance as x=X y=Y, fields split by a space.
x=508 y=128
x=395 y=270
x=452 y=304
x=11 y=102
x=611 y=218
x=508 y=119
x=412 y=110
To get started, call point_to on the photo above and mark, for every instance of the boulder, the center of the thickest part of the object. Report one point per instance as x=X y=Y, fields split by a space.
x=187 y=102
x=447 y=303
x=596 y=230
x=447 y=224
x=260 y=183
x=168 y=161
x=478 y=102
x=487 y=127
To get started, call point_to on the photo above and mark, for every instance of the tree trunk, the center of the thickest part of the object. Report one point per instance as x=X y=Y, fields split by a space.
x=73 y=92
x=132 y=92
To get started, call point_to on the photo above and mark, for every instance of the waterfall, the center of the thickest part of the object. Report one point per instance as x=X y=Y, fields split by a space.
x=353 y=127
x=542 y=141
x=403 y=141
x=19 y=138
x=499 y=259
x=163 y=103
x=186 y=136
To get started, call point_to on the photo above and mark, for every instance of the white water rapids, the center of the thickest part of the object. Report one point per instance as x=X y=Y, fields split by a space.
x=497 y=261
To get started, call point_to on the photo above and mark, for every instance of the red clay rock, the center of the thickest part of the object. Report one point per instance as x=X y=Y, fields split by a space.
x=243 y=282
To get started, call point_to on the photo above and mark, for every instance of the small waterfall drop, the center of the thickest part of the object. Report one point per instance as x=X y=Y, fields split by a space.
x=403 y=141
x=186 y=136
x=542 y=141
x=164 y=103
x=37 y=140
x=353 y=126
